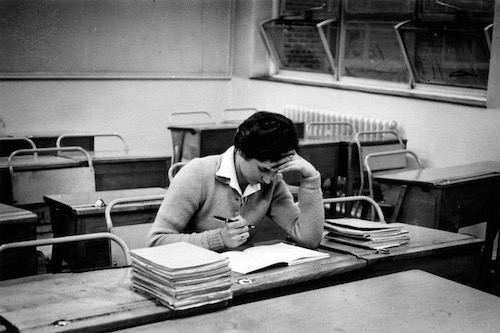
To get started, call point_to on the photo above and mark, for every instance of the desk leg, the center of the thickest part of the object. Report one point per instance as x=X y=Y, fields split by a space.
x=55 y=264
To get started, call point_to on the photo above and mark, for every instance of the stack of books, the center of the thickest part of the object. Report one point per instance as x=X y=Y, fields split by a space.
x=366 y=234
x=181 y=275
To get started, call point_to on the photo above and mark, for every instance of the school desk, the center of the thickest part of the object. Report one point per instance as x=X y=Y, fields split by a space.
x=74 y=214
x=17 y=224
x=197 y=140
x=115 y=170
x=48 y=139
x=410 y=301
x=97 y=301
x=102 y=300
x=451 y=255
x=450 y=198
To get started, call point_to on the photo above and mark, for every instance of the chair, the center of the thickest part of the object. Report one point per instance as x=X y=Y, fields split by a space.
x=369 y=142
x=237 y=115
x=134 y=235
x=62 y=137
x=9 y=144
x=73 y=238
x=30 y=185
x=357 y=198
x=174 y=168
x=179 y=119
x=376 y=162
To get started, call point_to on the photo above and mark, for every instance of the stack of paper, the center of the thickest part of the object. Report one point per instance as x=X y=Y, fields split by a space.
x=181 y=275
x=367 y=234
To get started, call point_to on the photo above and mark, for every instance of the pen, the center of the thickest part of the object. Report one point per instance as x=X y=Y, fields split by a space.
x=228 y=220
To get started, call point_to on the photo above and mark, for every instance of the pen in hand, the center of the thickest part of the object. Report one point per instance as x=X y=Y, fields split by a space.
x=228 y=220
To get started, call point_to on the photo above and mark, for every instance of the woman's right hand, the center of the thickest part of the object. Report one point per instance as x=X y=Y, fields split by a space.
x=235 y=233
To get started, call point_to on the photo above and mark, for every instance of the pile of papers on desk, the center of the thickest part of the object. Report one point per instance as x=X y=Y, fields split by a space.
x=181 y=275
x=366 y=234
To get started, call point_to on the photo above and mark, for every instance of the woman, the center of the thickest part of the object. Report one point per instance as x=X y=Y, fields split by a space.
x=243 y=185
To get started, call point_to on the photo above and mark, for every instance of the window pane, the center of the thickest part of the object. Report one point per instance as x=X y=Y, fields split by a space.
x=298 y=46
x=447 y=55
x=372 y=51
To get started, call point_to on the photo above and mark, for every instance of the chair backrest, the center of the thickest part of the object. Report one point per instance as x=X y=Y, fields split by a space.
x=372 y=163
x=9 y=144
x=174 y=168
x=237 y=115
x=134 y=235
x=73 y=238
x=357 y=198
x=29 y=186
x=369 y=142
x=62 y=137
x=329 y=130
x=190 y=117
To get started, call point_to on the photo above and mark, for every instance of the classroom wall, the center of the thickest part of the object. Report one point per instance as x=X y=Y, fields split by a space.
x=136 y=109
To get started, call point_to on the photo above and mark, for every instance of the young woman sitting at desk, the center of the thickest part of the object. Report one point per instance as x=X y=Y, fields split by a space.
x=243 y=185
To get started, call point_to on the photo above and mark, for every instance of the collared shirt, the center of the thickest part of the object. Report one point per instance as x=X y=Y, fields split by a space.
x=228 y=170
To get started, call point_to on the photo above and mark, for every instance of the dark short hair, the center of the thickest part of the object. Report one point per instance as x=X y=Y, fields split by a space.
x=266 y=136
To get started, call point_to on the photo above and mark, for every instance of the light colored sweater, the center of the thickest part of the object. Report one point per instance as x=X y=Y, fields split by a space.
x=196 y=194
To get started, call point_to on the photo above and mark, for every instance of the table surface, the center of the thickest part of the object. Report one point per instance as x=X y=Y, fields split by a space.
x=14 y=215
x=410 y=301
x=104 y=156
x=102 y=299
x=443 y=176
x=83 y=203
x=38 y=162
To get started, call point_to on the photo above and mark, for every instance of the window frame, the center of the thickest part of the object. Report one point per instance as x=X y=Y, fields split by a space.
x=444 y=93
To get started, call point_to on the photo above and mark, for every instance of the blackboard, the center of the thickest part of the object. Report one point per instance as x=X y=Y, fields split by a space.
x=115 y=38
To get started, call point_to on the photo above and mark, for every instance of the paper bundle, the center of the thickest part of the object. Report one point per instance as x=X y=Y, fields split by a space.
x=181 y=275
x=367 y=234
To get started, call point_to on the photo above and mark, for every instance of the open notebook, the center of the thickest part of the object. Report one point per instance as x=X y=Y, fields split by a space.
x=265 y=256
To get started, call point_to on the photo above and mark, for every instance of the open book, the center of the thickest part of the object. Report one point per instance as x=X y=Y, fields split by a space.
x=264 y=256
x=366 y=234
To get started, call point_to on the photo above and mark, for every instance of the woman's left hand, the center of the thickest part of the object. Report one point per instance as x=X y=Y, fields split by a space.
x=294 y=162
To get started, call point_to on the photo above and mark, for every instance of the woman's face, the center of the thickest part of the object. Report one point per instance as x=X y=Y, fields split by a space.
x=255 y=171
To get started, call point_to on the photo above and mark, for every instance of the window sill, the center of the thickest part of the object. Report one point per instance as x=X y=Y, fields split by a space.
x=471 y=97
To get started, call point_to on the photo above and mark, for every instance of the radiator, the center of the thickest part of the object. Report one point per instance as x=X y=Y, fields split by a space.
x=359 y=123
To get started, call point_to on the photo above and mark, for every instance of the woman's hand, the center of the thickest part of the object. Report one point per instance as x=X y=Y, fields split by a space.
x=235 y=233
x=294 y=162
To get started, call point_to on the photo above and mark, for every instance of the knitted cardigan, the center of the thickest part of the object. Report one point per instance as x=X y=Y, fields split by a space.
x=196 y=194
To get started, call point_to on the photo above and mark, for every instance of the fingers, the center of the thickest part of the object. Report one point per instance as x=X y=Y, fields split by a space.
x=235 y=233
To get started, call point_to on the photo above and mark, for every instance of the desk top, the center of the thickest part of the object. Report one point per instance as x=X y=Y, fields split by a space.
x=83 y=203
x=30 y=162
x=118 y=156
x=204 y=127
x=15 y=215
x=410 y=301
x=443 y=176
x=422 y=242
x=102 y=300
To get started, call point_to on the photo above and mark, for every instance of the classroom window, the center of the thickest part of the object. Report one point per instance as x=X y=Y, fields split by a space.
x=393 y=46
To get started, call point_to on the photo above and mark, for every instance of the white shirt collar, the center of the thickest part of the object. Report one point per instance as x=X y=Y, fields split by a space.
x=228 y=170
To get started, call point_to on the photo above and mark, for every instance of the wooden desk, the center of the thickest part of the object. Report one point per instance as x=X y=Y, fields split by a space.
x=411 y=301
x=74 y=214
x=116 y=170
x=450 y=255
x=48 y=139
x=102 y=300
x=446 y=198
x=450 y=198
x=197 y=140
x=192 y=141
x=17 y=224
